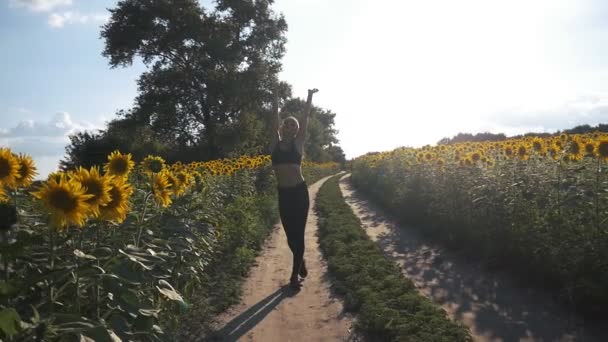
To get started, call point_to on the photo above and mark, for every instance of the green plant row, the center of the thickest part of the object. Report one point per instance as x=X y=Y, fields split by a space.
x=388 y=306
x=543 y=220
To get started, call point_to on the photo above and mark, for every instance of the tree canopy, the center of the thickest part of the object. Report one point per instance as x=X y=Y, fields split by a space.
x=208 y=86
x=207 y=68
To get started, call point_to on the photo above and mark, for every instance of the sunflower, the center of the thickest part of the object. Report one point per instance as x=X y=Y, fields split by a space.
x=96 y=185
x=177 y=165
x=553 y=152
x=56 y=176
x=508 y=151
x=601 y=148
x=117 y=207
x=176 y=186
x=119 y=164
x=467 y=161
x=153 y=164
x=522 y=152
x=9 y=168
x=197 y=177
x=27 y=171
x=184 y=178
x=3 y=195
x=538 y=146
x=162 y=189
x=575 y=150
x=66 y=201
x=475 y=156
x=589 y=148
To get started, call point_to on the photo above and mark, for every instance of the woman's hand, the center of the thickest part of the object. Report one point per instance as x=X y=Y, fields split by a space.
x=310 y=92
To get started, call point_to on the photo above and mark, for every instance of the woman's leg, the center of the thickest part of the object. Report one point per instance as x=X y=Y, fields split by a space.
x=300 y=216
x=285 y=212
x=293 y=209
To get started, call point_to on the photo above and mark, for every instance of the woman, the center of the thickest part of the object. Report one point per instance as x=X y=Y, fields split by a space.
x=287 y=146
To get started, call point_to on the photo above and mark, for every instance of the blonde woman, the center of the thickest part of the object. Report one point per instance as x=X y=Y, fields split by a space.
x=287 y=144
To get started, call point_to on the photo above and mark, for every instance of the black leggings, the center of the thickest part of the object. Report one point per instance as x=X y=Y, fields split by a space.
x=293 y=208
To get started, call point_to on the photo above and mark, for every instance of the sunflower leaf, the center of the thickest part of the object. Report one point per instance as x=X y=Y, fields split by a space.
x=78 y=253
x=9 y=322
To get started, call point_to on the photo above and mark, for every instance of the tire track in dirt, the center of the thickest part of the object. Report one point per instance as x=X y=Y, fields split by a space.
x=491 y=304
x=270 y=311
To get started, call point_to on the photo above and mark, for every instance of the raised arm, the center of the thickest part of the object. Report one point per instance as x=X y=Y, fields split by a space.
x=276 y=121
x=304 y=124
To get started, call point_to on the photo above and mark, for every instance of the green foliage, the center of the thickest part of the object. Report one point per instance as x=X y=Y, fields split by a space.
x=388 y=305
x=468 y=137
x=99 y=282
x=207 y=91
x=124 y=133
x=487 y=136
x=542 y=219
x=208 y=67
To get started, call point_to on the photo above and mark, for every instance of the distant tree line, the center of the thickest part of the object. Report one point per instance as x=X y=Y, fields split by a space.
x=486 y=136
x=207 y=90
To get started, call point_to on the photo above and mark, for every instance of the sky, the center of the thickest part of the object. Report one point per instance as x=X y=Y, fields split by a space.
x=396 y=73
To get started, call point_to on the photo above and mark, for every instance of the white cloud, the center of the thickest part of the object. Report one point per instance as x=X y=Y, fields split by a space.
x=44 y=141
x=60 y=125
x=585 y=109
x=39 y=5
x=56 y=20
x=59 y=20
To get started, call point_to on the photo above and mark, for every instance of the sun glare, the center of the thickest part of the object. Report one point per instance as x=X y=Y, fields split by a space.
x=445 y=65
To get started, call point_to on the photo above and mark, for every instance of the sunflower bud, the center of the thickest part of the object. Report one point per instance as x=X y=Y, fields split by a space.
x=8 y=216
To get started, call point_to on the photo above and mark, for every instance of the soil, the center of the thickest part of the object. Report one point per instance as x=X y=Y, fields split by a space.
x=271 y=311
x=492 y=304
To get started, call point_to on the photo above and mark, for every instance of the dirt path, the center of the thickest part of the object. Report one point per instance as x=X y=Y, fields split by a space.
x=494 y=307
x=269 y=311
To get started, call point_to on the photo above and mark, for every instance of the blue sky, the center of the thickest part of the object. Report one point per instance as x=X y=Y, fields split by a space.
x=46 y=69
x=395 y=72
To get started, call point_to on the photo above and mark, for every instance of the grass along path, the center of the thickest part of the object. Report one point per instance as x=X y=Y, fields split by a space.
x=388 y=305
x=491 y=304
x=269 y=311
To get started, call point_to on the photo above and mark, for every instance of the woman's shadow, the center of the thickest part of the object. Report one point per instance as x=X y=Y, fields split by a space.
x=249 y=318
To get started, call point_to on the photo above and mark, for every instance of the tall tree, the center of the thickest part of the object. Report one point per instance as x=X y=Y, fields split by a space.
x=207 y=68
x=124 y=133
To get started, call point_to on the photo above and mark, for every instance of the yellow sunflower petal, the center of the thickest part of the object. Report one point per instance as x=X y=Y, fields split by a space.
x=96 y=185
x=9 y=168
x=118 y=207
x=66 y=202
x=119 y=165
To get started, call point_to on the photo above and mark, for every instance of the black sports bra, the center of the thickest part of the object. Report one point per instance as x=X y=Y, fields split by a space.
x=291 y=156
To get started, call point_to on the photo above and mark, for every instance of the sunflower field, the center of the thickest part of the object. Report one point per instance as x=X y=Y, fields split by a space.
x=120 y=252
x=535 y=206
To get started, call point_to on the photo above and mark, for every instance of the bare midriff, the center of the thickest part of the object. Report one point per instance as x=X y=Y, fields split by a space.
x=288 y=175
